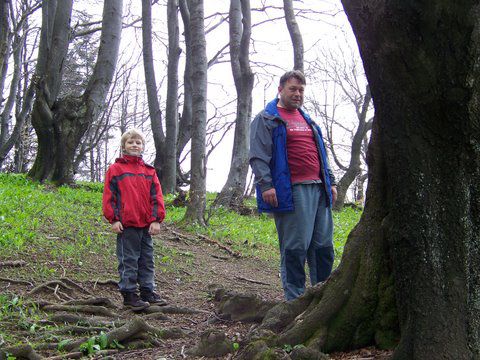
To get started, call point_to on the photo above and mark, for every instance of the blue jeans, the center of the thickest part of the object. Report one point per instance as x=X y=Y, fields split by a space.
x=306 y=234
x=135 y=260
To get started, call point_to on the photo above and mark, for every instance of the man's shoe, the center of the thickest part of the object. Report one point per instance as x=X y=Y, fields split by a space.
x=132 y=300
x=152 y=298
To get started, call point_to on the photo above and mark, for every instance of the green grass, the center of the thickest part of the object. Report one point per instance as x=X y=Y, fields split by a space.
x=65 y=225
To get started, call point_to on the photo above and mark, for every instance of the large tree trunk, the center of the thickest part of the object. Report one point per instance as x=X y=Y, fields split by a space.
x=60 y=123
x=425 y=91
x=169 y=175
x=196 y=206
x=240 y=33
x=412 y=262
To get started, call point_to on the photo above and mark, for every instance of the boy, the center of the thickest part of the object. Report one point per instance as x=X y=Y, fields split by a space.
x=133 y=204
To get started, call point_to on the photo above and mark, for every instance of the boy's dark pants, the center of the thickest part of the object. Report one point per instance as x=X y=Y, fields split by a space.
x=135 y=260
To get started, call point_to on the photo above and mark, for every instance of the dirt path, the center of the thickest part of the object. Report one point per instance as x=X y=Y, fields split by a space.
x=189 y=269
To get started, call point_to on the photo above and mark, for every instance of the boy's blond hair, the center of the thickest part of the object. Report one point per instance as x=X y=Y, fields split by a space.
x=132 y=133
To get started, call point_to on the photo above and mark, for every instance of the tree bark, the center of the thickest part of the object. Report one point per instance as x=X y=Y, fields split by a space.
x=7 y=141
x=185 y=121
x=151 y=86
x=426 y=108
x=60 y=123
x=169 y=176
x=412 y=263
x=5 y=48
x=295 y=35
x=196 y=206
x=240 y=33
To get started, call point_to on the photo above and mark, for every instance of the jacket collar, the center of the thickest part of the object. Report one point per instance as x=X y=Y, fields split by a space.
x=271 y=111
x=130 y=159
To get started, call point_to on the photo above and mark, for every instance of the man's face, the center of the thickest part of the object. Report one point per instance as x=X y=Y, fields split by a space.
x=291 y=95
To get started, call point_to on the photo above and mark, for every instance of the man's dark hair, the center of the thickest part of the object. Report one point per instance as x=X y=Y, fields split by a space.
x=297 y=74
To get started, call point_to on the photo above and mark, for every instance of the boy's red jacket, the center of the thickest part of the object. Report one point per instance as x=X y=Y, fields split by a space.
x=132 y=193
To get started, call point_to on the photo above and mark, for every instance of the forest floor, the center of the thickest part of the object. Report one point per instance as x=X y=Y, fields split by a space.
x=188 y=284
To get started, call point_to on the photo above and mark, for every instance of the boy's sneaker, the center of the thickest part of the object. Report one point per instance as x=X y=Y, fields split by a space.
x=152 y=298
x=133 y=301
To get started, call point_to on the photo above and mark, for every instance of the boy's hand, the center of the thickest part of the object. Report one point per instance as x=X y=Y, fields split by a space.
x=154 y=228
x=117 y=227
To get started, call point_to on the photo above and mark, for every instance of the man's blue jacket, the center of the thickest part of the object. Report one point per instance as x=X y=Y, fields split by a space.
x=269 y=162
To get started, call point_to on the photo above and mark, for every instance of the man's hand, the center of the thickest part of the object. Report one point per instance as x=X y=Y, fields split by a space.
x=334 y=194
x=117 y=227
x=270 y=197
x=154 y=228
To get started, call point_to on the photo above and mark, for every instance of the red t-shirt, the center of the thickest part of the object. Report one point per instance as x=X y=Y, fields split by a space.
x=302 y=152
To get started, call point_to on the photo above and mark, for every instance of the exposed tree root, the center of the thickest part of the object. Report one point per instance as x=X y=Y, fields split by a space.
x=49 y=285
x=13 y=263
x=73 y=284
x=68 y=318
x=79 y=330
x=156 y=316
x=16 y=281
x=241 y=307
x=251 y=280
x=88 y=309
x=208 y=240
x=102 y=301
x=136 y=329
x=221 y=246
x=78 y=355
x=173 y=310
x=104 y=282
x=355 y=307
x=213 y=343
x=72 y=355
x=20 y=352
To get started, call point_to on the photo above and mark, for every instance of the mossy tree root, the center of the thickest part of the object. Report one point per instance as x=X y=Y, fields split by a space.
x=354 y=308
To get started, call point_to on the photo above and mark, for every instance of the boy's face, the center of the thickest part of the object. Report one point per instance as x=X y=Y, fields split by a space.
x=133 y=146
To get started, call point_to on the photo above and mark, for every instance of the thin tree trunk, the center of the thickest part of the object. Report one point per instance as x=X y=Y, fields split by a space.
x=151 y=86
x=185 y=123
x=196 y=206
x=354 y=169
x=295 y=35
x=240 y=33
x=169 y=176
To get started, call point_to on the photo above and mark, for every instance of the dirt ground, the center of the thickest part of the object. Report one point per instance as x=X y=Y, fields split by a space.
x=203 y=265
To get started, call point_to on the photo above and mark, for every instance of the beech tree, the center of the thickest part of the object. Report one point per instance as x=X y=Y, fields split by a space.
x=61 y=122
x=13 y=43
x=295 y=34
x=151 y=86
x=410 y=273
x=196 y=206
x=169 y=176
x=240 y=32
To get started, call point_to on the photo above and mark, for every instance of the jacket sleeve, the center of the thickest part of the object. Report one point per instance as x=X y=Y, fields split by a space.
x=261 y=152
x=109 y=199
x=156 y=200
x=333 y=181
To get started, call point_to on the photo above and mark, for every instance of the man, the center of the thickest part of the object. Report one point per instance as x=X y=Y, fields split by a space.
x=294 y=181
